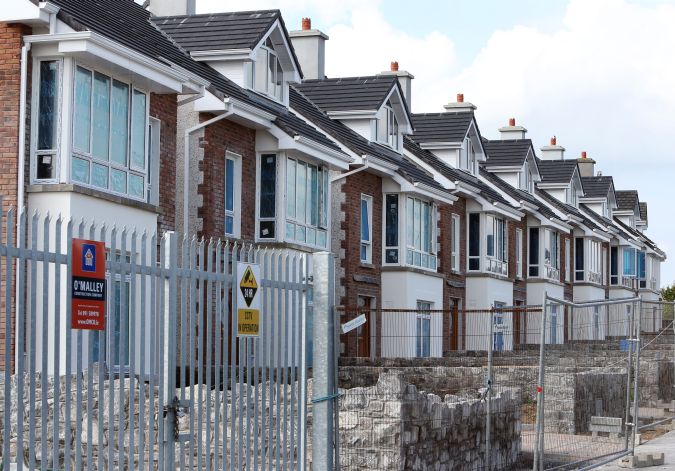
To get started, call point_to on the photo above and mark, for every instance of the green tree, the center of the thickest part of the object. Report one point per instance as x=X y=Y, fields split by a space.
x=668 y=293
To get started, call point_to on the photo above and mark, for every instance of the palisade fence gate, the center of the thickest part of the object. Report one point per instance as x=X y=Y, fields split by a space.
x=168 y=384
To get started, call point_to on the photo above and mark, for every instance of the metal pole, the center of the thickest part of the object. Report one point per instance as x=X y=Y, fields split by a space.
x=324 y=363
x=169 y=349
x=629 y=367
x=488 y=395
x=539 y=427
x=636 y=390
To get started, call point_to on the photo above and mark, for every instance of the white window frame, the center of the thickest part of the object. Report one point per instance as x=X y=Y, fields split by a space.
x=498 y=261
x=519 y=253
x=35 y=114
x=551 y=244
x=412 y=252
x=467 y=157
x=400 y=212
x=235 y=213
x=388 y=124
x=366 y=244
x=568 y=258
x=154 y=156
x=323 y=204
x=279 y=157
x=455 y=252
x=129 y=168
x=250 y=73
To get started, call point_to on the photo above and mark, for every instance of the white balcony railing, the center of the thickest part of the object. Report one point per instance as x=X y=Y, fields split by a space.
x=628 y=282
x=594 y=277
x=499 y=267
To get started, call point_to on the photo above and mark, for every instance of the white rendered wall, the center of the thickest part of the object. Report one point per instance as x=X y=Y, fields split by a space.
x=535 y=296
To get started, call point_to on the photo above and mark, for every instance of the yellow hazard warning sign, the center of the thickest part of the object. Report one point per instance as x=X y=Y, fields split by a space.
x=248 y=301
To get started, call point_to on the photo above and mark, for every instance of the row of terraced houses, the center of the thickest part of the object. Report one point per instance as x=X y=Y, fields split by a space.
x=225 y=125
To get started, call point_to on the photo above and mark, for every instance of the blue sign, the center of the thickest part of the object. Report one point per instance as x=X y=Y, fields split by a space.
x=89 y=257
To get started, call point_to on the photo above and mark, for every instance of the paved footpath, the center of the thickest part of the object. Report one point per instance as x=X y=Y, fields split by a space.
x=663 y=444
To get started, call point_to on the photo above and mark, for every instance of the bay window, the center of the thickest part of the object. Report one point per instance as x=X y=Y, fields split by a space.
x=614 y=265
x=391 y=229
x=534 y=252
x=455 y=234
x=642 y=269
x=266 y=75
x=594 y=262
x=267 y=202
x=110 y=123
x=366 y=249
x=551 y=254
x=467 y=156
x=579 y=259
x=421 y=234
x=306 y=203
x=474 y=242
x=47 y=120
x=386 y=127
x=495 y=229
x=629 y=262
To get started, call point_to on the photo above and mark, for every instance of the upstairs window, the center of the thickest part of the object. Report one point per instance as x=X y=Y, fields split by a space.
x=629 y=262
x=495 y=229
x=366 y=229
x=306 y=203
x=467 y=157
x=421 y=234
x=391 y=229
x=551 y=252
x=455 y=242
x=571 y=196
x=110 y=122
x=525 y=181
x=266 y=75
x=534 y=252
x=46 y=153
x=386 y=127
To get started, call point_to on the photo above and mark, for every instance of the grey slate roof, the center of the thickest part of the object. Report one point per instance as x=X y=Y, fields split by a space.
x=627 y=199
x=218 y=31
x=128 y=23
x=453 y=174
x=557 y=171
x=643 y=211
x=506 y=153
x=348 y=94
x=441 y=127
x=357 y=143
x=596 y=187
x=567 y=209
x=518 y=194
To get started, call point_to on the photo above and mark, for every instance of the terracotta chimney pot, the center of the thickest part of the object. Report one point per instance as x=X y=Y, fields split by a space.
x=460 y=98
x=512 y=122
x=583 y=155
x=306 y=24
x=394 y=66
x=554 y=141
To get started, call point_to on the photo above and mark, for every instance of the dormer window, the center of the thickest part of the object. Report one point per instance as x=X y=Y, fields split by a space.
x=526 y=182
x=386 y=127
x=265 y=75
x=571 y=196
x=467 y=157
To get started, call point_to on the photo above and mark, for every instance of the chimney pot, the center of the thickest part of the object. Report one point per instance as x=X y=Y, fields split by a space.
x=512 y=122
x=394 y=66
x=460 y=98
x=583 y=155
x=306 y=24
x=554 y=141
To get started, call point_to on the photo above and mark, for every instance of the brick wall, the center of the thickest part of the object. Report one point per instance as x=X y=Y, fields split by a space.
x=164 y=108
x=10 y=87
x=355 y=185
x=219 y=138
x=519 y=285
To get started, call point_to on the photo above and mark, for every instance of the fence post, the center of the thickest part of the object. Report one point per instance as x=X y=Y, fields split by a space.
x=636 y=381
x=488 y=392
x=629 y=367
x=324 y=363
x=538 y=462
x=168 y=266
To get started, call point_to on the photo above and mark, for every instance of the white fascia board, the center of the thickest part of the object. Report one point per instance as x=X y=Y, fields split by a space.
x=250 y=110
x=99 y=46
x=552 y=186
x=600 y=235
x=623 y=212
x=334 y=157
x=446 y=182
x=439 y=194
x=503 y=168
x=422 y=190
x=440 y=145
x=592 y=200
x=380 y=164
x=24 y=11
x=353 y=114
x=553 y=222
x=406 y=128
x=209 y=103
x=508 y=211
x=223 y=55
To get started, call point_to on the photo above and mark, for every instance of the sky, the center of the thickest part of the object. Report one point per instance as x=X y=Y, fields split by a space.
x=598 y=74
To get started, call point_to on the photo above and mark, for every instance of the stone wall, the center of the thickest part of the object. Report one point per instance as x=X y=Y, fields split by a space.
x=393 y=425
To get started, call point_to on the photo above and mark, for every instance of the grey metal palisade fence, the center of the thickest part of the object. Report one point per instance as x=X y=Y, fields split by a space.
x=168 y=384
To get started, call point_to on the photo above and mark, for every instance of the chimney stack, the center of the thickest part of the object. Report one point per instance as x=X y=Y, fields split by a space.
x=553 y=151
x=460 y=105
x=512 y=131
x=310 y=49
x=405 y=79
x=586 y=165
x=172 y=7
